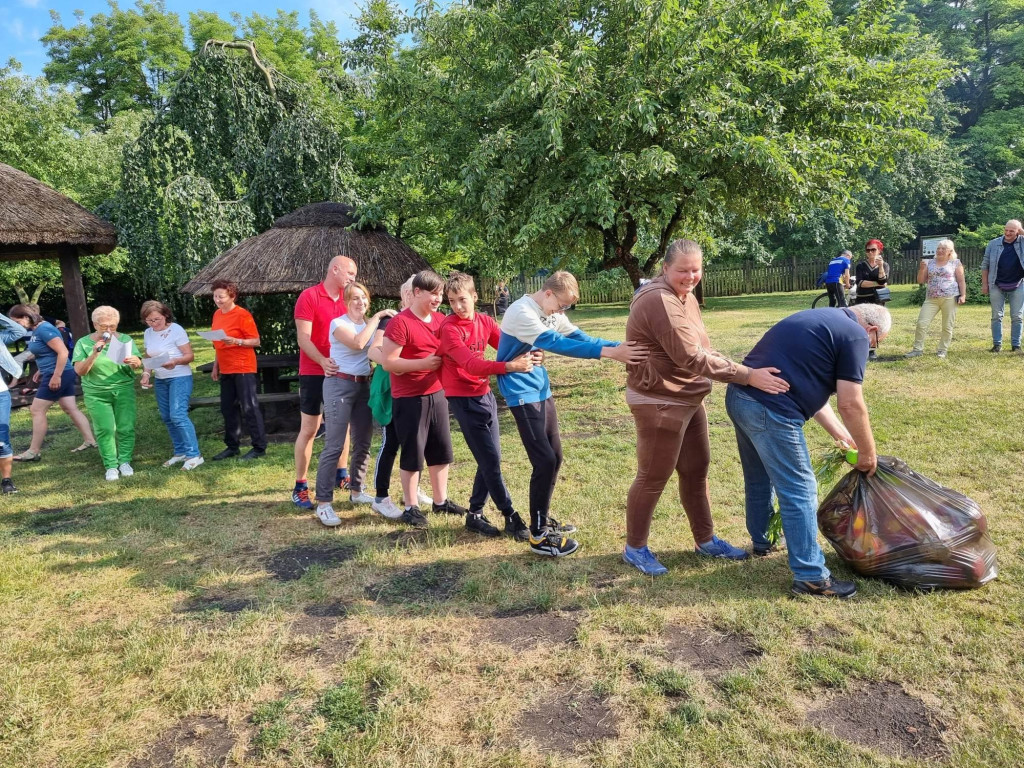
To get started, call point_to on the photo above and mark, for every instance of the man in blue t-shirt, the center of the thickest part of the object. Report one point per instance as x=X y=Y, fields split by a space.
x=1002 y=278
x=819 y=352
x=837 y=278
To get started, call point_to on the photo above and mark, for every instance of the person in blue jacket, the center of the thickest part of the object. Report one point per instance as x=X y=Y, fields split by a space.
x=537 y=322
x=837 y=278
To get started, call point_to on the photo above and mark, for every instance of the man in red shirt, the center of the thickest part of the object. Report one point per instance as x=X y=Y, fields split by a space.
x=419 y=409
x=315 y=309
x=465 y=376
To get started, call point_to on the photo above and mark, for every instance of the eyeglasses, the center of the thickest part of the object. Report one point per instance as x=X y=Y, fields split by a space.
x=875 y=345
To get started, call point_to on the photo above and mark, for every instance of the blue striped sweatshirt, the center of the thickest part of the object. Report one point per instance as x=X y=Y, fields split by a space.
x=525 y=327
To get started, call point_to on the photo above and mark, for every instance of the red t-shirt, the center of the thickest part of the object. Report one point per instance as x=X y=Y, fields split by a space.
x=238 y=324
x=464 y=371
x=315 y=305
x=417 y=340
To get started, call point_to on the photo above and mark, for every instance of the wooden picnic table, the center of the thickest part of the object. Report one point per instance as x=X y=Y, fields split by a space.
x=271 y=370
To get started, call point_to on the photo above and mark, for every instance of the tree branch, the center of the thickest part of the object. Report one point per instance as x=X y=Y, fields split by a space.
x=246 y=45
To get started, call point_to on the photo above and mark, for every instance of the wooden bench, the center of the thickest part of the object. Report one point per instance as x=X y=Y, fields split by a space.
x=280 y=409
x=270 y=397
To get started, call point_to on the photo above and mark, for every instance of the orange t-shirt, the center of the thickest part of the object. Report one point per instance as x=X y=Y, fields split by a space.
x=238 y=324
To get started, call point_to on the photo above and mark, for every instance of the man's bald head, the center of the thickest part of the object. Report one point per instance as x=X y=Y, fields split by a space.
x=341 y=271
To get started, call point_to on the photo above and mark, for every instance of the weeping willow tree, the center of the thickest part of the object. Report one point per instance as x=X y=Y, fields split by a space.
x=238 y=145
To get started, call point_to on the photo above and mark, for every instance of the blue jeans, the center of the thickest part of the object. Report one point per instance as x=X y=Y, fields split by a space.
x=172 y=396
x=774 y=455
x=5 y=425
x=998 y=298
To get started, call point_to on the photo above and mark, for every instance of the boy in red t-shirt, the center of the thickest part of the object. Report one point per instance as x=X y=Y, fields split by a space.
x=465 y=375
x=419 y=409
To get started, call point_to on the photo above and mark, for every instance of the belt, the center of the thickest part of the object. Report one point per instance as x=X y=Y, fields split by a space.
x=350 y=377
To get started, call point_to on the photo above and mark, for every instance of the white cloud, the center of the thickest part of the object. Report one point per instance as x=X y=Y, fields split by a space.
x=31 y=3
x=15 y=28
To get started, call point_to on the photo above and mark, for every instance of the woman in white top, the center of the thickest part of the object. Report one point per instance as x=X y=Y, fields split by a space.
x=346 y=402
x=173 y=386
x=946 y=288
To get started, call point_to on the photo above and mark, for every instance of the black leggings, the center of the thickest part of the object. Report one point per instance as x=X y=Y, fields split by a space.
x=238 y=391
x=478 y=420
x=386 y=460
x=836 y=294
x=538 y=428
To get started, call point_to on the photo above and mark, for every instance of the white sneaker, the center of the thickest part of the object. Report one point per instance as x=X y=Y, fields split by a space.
x=192 y=463
x=360 y=497
x=175 y=459
x=423 y=499
x=113 y=474
x=126 y=470
x=387 y=508
x=325 y=512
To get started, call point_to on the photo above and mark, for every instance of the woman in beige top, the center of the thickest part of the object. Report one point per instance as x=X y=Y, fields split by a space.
x=666 y=397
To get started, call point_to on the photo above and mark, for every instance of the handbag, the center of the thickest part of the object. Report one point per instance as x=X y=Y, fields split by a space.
x=883 y=294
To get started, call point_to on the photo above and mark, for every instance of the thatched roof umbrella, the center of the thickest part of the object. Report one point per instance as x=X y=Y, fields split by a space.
x=38 y=222
x=294 y=253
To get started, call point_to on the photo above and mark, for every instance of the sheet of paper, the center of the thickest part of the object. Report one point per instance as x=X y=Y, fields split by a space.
x=117 y=350
x=217 y=335
x=149 y=363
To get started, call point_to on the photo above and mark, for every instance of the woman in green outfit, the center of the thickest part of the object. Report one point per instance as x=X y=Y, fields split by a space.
x=109 y=390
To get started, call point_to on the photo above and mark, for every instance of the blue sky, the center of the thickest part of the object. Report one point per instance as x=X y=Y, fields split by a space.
x=23 y=22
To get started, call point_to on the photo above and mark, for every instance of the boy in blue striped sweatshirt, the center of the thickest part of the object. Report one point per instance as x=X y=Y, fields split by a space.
x=537 y=321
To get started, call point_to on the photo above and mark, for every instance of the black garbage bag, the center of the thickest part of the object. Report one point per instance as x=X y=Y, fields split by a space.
x=902 y=527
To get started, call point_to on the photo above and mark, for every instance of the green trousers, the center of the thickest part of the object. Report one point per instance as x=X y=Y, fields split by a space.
x=112 y=413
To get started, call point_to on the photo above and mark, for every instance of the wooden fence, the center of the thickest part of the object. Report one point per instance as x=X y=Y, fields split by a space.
x=751 y=277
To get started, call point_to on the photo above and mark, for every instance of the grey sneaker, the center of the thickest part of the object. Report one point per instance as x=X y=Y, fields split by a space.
x=914 y=353
x=941 y=354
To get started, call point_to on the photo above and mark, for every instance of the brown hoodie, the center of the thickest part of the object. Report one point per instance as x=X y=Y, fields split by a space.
x=682 y=362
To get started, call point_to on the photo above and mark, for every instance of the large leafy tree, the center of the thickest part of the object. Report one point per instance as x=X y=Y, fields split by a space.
x=237 y=146
x=609 y=126
x=124 y=60
x=986 y=40
x=43 y=135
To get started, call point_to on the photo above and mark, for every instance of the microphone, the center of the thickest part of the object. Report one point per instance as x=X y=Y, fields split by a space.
x=105 y=336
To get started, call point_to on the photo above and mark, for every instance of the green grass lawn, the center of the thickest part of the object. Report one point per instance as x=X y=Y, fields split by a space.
x=194 y=619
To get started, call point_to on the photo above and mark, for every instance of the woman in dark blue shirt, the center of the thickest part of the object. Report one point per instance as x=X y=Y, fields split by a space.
x=57 y=380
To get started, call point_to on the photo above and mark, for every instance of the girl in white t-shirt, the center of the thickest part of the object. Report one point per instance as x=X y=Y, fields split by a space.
x=347 y=402
x=167 y=340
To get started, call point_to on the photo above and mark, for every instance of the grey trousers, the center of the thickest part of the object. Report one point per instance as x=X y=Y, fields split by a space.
x=346 y=403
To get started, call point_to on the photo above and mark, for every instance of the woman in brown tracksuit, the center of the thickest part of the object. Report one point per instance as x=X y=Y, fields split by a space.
x=666 y=396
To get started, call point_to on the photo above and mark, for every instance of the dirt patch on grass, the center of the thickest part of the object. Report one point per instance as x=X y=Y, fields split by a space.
x=403 y=537
x=225 y=603
x=432 y=583
x=56 y=520
x=292 y=564
x=527 y=630
x=883 y=717
x=336 y=610
x=203 y=742
x=568 y=721
x=705 y=650
x=324 y=639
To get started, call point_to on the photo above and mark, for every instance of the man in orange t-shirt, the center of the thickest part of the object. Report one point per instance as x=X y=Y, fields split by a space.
x=235 y=368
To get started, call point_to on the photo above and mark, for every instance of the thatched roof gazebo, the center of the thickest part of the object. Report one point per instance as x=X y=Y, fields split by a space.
x=294 y=253
x=38 y=222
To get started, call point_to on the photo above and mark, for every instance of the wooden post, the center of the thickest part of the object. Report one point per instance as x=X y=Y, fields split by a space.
x=74 y=291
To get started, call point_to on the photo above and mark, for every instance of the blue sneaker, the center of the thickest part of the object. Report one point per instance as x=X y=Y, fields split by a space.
x=300 y=497
x=720 y=548
x=644 y=561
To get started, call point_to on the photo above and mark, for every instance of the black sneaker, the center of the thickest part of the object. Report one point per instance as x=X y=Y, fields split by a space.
x=769 y=550
x=7 y=486
x=412 y=516
x=557 y=527
x=996 y=348
x=480 y=524
x=252 y=455
x=1015 y=349
x=448 y=508
x=516 y=528
x=826 y=588
x=552 y=544
x=320 y=431
x=227 y=453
